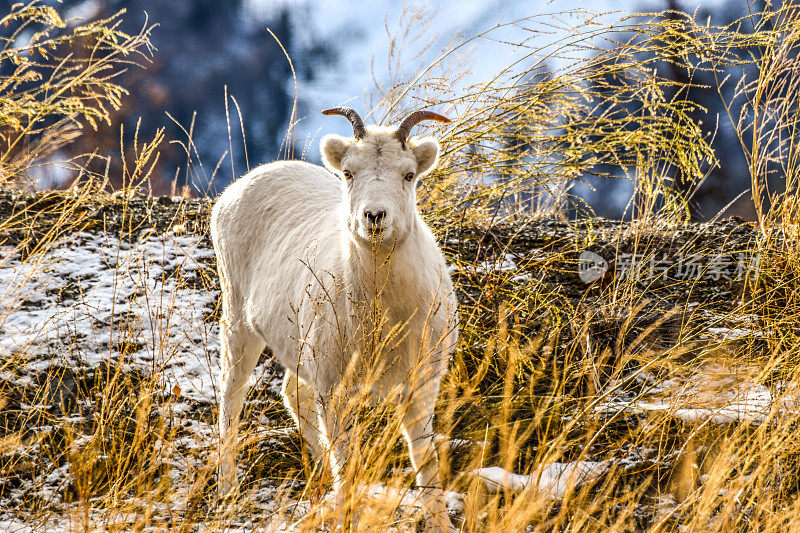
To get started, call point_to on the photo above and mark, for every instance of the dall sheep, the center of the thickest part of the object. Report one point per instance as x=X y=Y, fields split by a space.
x=317 y=267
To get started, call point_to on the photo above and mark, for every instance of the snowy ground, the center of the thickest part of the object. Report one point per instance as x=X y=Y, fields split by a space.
x=66 y=307
x=150 y=305
x=93 y=299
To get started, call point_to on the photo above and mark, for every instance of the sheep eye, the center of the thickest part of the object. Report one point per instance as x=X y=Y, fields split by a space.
x=347 y=174
x=409 y=176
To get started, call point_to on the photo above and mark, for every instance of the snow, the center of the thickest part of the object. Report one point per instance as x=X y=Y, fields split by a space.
x=364 y=46
x=716 y=394
x=746 y=402
x=82 y=11
x=731 y=334
x=361 y=39
x=92 y=295
x=11 y=525
x=52 y=172
x=505 y=263
x=411 y=498
x=553 y=481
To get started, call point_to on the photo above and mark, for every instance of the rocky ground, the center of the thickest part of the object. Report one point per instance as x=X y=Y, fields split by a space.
x=92 y=289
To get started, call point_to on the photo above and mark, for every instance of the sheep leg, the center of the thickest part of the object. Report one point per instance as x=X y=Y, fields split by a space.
x=298 y=397
x=238 y=358
x=417 y=425
x=336 y=435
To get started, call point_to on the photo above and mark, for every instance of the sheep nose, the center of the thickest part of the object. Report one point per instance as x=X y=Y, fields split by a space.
x=375 y=218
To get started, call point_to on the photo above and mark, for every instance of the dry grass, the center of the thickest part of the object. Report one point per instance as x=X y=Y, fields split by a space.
x=59 y=82
x=616 y=376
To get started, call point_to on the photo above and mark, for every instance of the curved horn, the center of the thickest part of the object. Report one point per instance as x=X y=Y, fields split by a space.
x=412 y=120
x=358 y=125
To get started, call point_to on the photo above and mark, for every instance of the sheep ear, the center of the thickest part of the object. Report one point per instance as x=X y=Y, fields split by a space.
x=427 y=153
x=333 y=148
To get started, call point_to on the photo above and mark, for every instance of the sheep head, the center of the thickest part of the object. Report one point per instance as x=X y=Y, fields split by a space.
x=381 y=167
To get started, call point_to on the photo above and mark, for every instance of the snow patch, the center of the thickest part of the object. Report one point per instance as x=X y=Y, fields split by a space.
x=716 y=394
x=412 y=498
x=505 y=263
x=94 y=298
x=553 y=481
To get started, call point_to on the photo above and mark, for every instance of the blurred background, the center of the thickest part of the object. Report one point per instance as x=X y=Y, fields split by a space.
x=342 y=53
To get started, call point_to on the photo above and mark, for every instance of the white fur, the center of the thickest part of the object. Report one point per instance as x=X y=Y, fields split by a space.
x=303 y=274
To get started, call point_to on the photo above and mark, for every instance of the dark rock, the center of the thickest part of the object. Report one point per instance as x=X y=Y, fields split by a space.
x=59 y=386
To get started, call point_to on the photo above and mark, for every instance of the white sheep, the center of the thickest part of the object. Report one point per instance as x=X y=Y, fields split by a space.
x=344 y=282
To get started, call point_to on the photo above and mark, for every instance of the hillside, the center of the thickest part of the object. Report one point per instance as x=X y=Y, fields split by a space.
x=115 y=298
